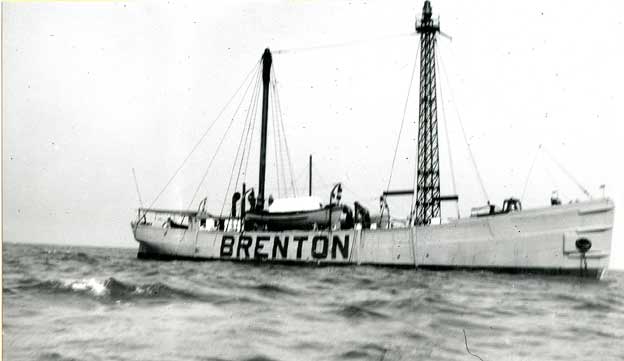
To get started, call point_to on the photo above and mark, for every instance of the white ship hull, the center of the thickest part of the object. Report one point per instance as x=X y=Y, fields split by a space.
x=537 y=240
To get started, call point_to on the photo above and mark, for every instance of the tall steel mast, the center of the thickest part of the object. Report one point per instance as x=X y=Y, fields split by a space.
x=267 y=60
x=428 y=171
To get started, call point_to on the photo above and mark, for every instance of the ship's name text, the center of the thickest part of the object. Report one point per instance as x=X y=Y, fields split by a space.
x=260 y=247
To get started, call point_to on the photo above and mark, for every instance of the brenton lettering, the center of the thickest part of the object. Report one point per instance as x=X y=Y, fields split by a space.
x=286 y=247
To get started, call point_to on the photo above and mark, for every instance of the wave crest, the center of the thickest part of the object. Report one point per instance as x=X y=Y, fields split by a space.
x=110 y=289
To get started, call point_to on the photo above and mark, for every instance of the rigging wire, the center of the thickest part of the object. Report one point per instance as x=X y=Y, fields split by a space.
x=136 y=184
x=396 y=148
x=554 y=181
x=275 y=148
x=448 y=142
x=254 y=117
x=219 y=146
x=285 y=173
x=279 y=154
x=250 y=119
x=253 y=130
x=304 y=172
x=238 y=151
x=413 y=210
x=560 y=166
x=282 y=147
x=526 y=182
x=281 y=123
x=319 y=175
x=280 y=133
x=461 y=125
x=567 y=173
x=343 y=44
x=251 y=116
x=201 y=138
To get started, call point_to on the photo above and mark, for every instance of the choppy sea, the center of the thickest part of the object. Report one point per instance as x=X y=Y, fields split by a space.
x=80 y=303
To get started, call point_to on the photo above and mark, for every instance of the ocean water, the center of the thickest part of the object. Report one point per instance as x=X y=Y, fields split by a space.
x=79 y=303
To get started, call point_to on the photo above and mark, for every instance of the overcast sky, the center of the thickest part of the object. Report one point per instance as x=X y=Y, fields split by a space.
x=92 y=90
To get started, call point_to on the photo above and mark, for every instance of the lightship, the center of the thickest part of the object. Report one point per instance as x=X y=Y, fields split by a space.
x=572 y=238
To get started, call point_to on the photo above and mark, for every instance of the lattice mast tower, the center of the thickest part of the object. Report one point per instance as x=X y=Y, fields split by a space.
x=428 y=168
